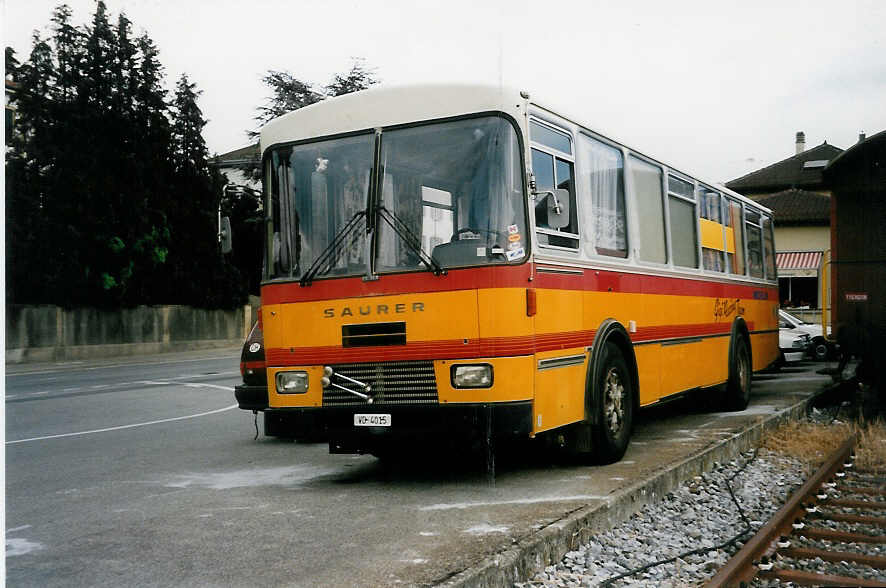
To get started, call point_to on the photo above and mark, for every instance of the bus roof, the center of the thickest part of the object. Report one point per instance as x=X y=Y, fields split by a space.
x=382 y=106
x=388 y=105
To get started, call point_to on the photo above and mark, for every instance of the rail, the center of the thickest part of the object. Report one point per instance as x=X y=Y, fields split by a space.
x=761 y=555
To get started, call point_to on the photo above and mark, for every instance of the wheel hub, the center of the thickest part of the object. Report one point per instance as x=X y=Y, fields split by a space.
x=613 y=401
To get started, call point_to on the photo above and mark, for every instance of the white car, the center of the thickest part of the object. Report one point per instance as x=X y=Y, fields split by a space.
x=793 y=345
x=821 y=348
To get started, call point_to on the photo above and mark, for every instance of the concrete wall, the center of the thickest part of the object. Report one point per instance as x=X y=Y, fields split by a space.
x=49 y=333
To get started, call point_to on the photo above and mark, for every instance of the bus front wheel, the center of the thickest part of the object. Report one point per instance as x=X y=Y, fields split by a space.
x=615 y=407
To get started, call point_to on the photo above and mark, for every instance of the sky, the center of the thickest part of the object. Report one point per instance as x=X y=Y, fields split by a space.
x=718 y=89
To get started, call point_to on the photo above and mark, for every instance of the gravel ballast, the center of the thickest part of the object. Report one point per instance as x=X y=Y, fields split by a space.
x=700 y=515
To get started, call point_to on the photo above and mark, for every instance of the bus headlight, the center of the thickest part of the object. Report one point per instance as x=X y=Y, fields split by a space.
x=292 y=382
x=471 y=376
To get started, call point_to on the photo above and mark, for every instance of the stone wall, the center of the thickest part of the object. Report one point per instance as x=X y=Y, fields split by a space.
x=50 y=333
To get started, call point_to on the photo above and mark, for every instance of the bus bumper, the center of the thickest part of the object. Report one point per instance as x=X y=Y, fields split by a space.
x=412 y=423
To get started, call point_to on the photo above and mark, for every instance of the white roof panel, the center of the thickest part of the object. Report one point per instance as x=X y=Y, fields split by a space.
x=388 y=105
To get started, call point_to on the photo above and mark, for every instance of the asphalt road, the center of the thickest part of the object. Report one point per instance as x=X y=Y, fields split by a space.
x=144 y=473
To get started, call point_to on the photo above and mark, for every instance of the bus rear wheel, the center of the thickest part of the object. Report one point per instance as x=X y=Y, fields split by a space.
x=614 y=407
x=738 y=387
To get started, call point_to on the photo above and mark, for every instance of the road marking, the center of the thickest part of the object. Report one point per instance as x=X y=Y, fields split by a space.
x=17 y=529
x=132 y=426
x=77 y=364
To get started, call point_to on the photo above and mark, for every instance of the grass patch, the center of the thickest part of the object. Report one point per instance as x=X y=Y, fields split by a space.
x=811 y=443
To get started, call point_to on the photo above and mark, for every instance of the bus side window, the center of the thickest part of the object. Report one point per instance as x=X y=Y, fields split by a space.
x=712 y=234
x=601 y=169
x=550 y=173
x=755 y=243
x=648 y=196
x=768 y=248
x=681 y=212
x=735 y=238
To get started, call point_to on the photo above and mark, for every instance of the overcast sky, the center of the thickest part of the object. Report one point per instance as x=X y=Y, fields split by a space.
x=716 y=88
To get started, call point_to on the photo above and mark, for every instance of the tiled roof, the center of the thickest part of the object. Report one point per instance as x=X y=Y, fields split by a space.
x=791 y=207
x=788 y=173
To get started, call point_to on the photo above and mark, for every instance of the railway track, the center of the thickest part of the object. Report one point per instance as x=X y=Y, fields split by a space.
x=831 y=532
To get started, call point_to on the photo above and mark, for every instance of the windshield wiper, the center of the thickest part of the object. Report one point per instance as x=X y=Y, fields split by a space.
x=411 y=240
x=329 y=256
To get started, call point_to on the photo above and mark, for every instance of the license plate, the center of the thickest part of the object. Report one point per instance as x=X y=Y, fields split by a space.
x=372 y=420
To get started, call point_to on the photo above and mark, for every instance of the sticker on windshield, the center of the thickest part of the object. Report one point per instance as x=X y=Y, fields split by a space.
x=515 y=254
x=512 y=229
x=481 y=252
x=514 y=237
x=515 y=245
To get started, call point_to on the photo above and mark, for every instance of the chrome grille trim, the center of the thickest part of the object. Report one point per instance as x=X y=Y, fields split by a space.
x=392 y=382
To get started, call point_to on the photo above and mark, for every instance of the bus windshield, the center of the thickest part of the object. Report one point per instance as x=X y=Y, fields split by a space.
x=455 y=188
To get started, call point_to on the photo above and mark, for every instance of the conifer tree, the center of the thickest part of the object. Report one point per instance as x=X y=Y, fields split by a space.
x=99 y=185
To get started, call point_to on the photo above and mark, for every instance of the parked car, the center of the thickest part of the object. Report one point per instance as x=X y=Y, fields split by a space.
x=793 y=345
x=252 y=395
x=821 y=349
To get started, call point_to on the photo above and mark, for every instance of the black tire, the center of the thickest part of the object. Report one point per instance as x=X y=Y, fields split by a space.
x=821 y=351
x=614 y=407
x=738 y=387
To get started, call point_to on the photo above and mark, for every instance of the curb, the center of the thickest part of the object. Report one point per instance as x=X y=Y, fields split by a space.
x=550 y=544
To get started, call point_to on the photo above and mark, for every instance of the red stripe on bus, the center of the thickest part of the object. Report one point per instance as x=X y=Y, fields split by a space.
x=511 y=277
x=484 y=347
x=391 y=284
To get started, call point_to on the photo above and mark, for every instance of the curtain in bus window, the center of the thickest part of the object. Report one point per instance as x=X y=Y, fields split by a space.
x=755 y=246
x=602 y=176
x=354 y=190
x=650 y=208
x=387 y=249
x=283 y=221
x=734 y=232
x=320 y=206
x=710 y=210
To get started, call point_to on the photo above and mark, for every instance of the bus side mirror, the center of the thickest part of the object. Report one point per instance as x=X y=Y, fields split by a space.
x=224 y=234
x=558 y=208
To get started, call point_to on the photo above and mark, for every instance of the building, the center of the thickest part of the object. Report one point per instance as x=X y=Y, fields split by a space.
x=858 y=181
x=232 y=164
x=795 y=190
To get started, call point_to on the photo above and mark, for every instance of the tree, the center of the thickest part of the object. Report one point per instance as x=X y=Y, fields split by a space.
x=29 y=233
x=358 y=78
x=101 y=187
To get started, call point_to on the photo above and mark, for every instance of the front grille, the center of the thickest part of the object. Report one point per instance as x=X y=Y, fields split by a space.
x=366 y=335
x=392 y=382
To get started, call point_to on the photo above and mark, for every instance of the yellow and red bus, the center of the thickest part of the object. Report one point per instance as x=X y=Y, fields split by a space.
x=448 y=259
